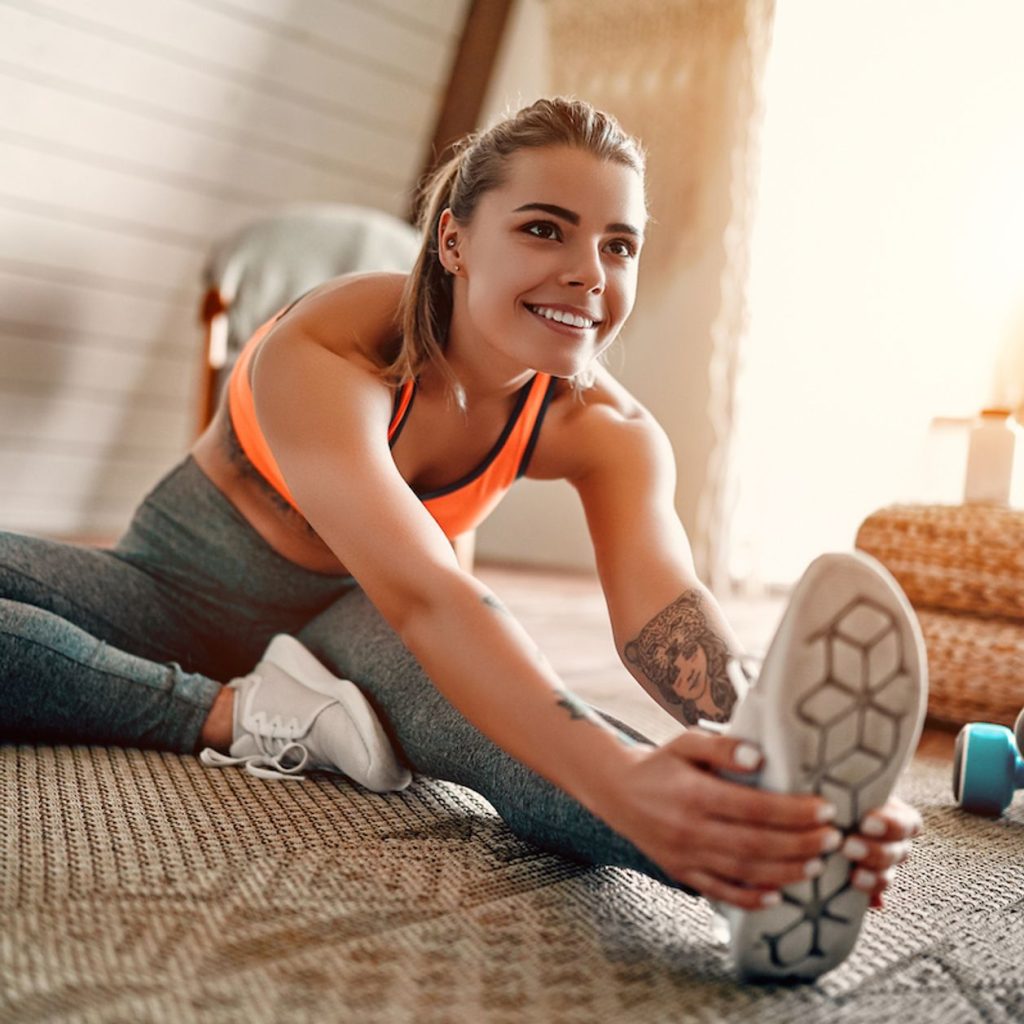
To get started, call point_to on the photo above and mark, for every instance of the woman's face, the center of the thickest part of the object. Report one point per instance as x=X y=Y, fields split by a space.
x=563 y=234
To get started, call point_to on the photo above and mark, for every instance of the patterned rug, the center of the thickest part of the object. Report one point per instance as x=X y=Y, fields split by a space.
x=138 y=886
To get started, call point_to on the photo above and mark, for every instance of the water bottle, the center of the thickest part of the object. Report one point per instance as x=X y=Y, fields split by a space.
x=992 y=454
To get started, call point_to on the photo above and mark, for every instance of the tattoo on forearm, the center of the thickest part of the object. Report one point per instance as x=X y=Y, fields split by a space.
x=579 y=710
x=680 y=653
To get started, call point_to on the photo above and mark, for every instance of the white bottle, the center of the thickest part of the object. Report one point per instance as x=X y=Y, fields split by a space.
x=993 y=451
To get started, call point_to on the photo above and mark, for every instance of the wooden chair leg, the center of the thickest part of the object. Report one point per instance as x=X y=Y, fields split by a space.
x=213 y=316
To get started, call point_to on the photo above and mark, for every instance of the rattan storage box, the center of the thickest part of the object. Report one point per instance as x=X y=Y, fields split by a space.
x=962 y=567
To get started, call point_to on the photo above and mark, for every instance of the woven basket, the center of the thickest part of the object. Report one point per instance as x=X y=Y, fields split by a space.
x=975 y=667
x=962 y=567
x=967 y=558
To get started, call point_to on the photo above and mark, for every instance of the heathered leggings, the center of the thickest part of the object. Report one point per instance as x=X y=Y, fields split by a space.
x=129 y=647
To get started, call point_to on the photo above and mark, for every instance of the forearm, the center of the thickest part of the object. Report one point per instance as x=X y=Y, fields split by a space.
x=488 y=667
x=680 y=656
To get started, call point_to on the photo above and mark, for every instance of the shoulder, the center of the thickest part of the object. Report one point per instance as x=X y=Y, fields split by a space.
x=329 y=348
x=598 y=432
x=356 y=316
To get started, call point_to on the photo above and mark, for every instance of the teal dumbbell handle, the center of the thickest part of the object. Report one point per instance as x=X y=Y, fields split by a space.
x=987 y=768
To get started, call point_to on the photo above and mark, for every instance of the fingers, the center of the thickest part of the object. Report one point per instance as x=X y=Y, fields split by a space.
x=894 y=820
x=744 y=844
x=720 y=890
x=873 y=883
x=884 y=839
x=730 y=800
x=763 y=874
x=717 y=752
x=749 y=842
x=875 y=856
x=734 y=802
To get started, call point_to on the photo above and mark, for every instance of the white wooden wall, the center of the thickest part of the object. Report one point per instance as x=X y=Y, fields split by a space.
x=132 y=135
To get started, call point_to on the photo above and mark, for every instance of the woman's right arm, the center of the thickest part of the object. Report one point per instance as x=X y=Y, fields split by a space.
x=326 y=419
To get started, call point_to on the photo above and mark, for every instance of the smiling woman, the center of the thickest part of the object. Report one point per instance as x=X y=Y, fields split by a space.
x=363 y=428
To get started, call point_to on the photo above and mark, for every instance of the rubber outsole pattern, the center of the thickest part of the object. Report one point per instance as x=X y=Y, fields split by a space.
x=853 y=715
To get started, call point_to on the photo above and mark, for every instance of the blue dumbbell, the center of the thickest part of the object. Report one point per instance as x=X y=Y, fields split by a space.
x=987 y=767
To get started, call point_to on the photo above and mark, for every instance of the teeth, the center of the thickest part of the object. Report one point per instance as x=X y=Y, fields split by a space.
x=563 y=318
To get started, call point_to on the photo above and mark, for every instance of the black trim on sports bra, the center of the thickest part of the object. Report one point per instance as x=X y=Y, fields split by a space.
x=524 y=462
x=405 y=415
x=291 y=305
x=464 y=481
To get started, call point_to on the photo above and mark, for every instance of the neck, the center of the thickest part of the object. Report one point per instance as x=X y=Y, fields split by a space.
x=485 y=375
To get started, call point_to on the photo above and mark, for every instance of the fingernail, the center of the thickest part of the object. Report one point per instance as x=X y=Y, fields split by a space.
x=747 y=756
x=863 y=879
x=832 y=841
x=855 y=848
x=902 y=852
x=871 y=826
x=771 y=899
x=813 y=868
x=826 y=813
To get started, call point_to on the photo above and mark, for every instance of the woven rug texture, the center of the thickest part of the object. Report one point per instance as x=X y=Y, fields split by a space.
x=137 y=886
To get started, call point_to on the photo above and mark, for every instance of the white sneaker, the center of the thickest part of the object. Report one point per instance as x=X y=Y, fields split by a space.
x=292 y=714
x=837 y=709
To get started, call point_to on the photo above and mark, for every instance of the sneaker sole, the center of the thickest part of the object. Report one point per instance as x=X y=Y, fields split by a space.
x=841 y=700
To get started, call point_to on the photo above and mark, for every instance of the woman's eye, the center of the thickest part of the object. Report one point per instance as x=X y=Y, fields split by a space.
x=542 y=227
x=624 y=248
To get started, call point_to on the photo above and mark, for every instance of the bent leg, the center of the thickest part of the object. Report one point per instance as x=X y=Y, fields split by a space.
x=87 y=651
x=124 y=645
x=59 y=683
x=354 y=641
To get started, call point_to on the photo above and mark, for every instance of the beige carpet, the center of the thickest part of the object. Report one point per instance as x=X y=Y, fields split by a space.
x=138 y=886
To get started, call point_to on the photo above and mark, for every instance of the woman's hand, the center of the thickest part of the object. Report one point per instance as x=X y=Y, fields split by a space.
x=730 y=842
x=882 y=843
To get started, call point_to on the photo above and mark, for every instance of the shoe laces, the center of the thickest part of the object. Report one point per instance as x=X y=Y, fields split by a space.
x=277 y=738
x=263 y=766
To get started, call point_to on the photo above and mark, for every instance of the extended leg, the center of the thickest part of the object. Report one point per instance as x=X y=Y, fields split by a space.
x=354 y=641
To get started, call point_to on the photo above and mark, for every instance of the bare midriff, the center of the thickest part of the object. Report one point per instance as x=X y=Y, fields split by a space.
x=218 y=455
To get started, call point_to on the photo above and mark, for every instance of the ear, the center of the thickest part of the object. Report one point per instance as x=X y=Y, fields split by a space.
x=447 y=238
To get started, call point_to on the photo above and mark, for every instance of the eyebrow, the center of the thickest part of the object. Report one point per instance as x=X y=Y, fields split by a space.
x=574 y=218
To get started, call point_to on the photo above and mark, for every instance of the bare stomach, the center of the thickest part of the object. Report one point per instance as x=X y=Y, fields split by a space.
x=217 y=454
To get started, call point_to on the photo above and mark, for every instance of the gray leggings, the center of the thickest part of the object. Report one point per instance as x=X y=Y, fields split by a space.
x=130 y=646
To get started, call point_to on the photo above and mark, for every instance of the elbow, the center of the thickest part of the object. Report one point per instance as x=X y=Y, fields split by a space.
x=417 y=614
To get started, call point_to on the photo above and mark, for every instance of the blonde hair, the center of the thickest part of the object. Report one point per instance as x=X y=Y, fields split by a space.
x=478 y=165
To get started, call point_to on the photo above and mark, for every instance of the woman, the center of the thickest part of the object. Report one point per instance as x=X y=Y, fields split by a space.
x=356 y=440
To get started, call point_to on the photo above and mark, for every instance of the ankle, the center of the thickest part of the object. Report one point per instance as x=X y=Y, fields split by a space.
x=218 y=729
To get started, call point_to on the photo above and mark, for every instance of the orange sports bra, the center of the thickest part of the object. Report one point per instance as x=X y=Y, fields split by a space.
x=458 y=507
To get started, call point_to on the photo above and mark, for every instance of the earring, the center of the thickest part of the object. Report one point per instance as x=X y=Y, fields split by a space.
x=451 y=243
x=456 y=268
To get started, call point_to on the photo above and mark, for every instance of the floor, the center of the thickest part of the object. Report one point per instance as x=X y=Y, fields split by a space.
x=565 y=614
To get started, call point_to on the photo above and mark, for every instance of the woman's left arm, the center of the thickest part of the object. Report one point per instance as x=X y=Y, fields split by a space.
x=669 y=630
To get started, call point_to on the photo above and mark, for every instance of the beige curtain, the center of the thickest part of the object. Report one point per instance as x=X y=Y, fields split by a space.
x=683 y=75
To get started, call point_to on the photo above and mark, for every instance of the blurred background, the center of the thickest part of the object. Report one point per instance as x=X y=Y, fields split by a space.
x=832 y=288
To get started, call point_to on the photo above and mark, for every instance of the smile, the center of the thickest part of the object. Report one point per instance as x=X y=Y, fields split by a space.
x=565 y=319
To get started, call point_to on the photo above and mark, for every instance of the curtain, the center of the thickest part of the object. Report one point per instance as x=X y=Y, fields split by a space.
x=684 y=76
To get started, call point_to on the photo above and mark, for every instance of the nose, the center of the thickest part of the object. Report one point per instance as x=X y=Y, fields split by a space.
x=585 y=270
